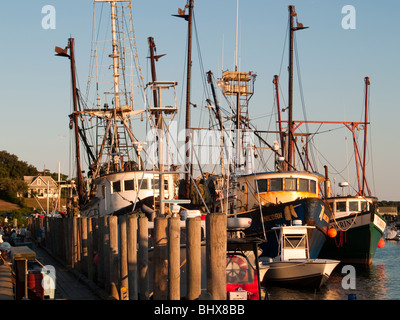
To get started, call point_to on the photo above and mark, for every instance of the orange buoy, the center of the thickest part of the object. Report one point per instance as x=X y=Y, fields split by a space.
x=381 y=243
x=332 y=232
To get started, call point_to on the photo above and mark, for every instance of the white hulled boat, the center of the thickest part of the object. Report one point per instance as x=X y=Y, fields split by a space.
x=293 y=266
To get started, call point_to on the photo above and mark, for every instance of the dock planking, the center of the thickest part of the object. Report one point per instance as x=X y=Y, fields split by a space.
x=68 y=286
x=6 y=286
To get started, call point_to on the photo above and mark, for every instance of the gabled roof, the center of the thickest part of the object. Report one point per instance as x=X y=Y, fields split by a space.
x=40 y=181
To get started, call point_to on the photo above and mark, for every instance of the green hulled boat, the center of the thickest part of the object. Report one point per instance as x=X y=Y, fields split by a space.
x=359 y=228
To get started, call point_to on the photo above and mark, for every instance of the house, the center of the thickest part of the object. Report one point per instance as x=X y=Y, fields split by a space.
x=389 y=213
x=41 y=186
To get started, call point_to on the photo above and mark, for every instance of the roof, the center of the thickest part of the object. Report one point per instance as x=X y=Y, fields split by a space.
x=388 y=210
x=41 y=181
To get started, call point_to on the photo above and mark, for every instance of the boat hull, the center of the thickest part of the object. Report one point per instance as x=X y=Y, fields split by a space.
x=304 y=273
x=310 y=211
x=356 y=240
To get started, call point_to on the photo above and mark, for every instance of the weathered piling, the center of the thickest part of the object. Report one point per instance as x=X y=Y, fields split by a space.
x=132 y=238
x=174 y=248
x=143 y=267
x=160 y=259
x=84 y=245
x=117 y=254
x=90 y=254
x=193 y=257
x=106 y=254
x=100 y=253
x=124 y=283
x=113 y=259
x=216 y=243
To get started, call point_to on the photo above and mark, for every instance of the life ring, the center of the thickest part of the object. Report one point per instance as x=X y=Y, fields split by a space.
x=236 y=269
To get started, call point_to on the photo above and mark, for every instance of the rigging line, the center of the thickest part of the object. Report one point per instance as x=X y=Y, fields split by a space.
x=302 y=94
x=370 y=139
x=206 y=90
x=136 y=62
x=284 y=46
x=336 y=171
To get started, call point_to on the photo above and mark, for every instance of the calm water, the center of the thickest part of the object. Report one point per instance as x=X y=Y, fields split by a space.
x=380 y=281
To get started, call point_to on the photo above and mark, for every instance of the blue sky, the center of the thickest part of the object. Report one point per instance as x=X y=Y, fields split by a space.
x=35 y=85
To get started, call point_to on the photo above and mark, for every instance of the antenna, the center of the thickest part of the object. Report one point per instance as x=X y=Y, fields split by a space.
x=237 y=32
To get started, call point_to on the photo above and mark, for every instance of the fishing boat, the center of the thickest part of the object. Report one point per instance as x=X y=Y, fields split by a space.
x=357 y=227
x=293 y=266
x=126 y=171
x=276 y=197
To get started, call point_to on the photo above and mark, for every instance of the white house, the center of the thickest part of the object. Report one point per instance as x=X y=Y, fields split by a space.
x=41 y=186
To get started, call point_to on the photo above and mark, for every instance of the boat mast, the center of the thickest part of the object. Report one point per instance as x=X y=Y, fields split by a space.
x=367 y=83
x=77 y=145
x=276 y=83
x=158 y=125
x=188 y=166
x=292 y=14
x=115 y=57
x=74 y=116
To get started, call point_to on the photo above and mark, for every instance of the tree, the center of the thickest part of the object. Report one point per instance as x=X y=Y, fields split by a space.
x=9 y=188
x=11 y=167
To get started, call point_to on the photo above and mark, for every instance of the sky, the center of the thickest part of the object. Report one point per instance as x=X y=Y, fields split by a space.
x=35 y=85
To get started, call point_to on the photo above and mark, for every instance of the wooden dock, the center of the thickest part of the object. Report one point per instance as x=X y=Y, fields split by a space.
x=129 y=258
x=69 y=285
x=6 y=286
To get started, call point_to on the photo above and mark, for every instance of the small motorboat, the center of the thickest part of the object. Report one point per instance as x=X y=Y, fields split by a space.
x=292 y=266
x=392 y=234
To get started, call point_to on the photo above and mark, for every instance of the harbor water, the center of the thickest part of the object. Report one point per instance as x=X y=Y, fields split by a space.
x=380 y=281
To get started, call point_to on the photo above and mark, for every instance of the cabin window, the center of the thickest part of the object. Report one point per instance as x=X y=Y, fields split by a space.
x=290 y=184
x=262 y=185
x=295 y=241
x=275 y=184
x=116 y=186
x=364 y=206
x=313 y=186
x=155 y=184
x=341 y=206
x=165 y=184
x=143 y=184
x=129 y=185
x=303 y=185
x=353 y=206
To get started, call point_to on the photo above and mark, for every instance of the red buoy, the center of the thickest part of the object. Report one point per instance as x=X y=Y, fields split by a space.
x=381 y=243
x=332 y=232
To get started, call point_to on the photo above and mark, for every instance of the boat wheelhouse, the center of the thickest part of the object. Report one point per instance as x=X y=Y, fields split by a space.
x=279 y=198
x=116 y=191
x=277 y=187
x=346 y=206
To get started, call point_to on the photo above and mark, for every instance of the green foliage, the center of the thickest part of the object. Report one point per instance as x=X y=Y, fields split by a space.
x=12 y=171
x=11 y=167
